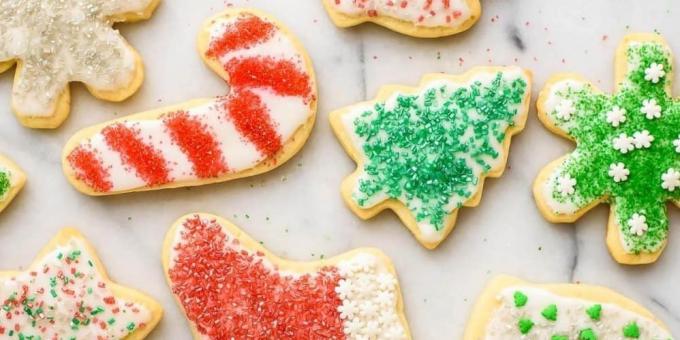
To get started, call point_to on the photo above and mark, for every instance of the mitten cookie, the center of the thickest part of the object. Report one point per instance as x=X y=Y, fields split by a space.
x=66 y=294
x=417 y=18
x=229 y=286
x=627 y=149
x=262 y=123
x=512 y=309
x=55 y=43
x=424 y=152
x=12 y=180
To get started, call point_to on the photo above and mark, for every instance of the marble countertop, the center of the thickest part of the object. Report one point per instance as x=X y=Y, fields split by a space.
x=297 y=210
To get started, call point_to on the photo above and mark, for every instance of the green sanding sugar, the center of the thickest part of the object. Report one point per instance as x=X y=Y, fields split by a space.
x=5 y=184
x=550 y=312
x=642 y=192
x=631 y=330
x=430 y=149
x=594 y=312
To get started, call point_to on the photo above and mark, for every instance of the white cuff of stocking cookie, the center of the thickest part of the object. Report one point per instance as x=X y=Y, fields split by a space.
x=422 y=13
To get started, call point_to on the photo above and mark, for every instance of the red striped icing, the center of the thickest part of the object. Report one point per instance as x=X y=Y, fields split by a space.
x=282 y=76
x=244 y=33
x=89 y=169
x=197 y=143
x=230 y=293
x=147 y=162
x=251 y=119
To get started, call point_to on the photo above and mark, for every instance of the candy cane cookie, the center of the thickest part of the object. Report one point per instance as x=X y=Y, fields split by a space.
x=417 y=18
x=510 y=308
x=12 y=180
x=66 y=294
x=54 y=43
x=264 y=120
x=229 y=286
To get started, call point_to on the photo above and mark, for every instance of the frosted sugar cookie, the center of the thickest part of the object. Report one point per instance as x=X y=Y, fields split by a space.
x=425 y=152
x=66 y=294
x=229 y=286
x=55 y=43
x=627 y=149
x=12 y=180
x=512 y=309
x=417 y=18
x=264 y=120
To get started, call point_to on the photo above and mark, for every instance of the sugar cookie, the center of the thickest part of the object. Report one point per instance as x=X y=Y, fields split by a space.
x=425 y=152
x=417 y=18
x=55 y=43
x=627 y=149
x=262 y=123
x=510 y=308
x=12 y=180
x=66 y=294
x=229 y=286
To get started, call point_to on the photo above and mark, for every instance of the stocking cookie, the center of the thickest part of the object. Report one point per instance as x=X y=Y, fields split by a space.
x=417 y=18
x=512 y=309
x=627 y=149
x=12 y=180
x=55 y=43
x=262 y=123
x=229 y=286
x=424 y=152
x=66 y=294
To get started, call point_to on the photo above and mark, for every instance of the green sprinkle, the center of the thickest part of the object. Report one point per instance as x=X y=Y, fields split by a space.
x=594 y=312
x=559 y=337
x=131 y=326
x=53 y=293
x=111 y=321
x=525 y=325
x=74 y=255
x=550 y=312
x=587 y=334
x=631 y=330
x=97 y=310
x=520 y=299
x=90 y=263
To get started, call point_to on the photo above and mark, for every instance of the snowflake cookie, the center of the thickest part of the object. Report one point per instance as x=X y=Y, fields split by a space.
x=417 y=18
x=424 y=152
x=12 y=180
x=230 y=287
x=264 y=120
x=510 y=308
x=66 y=294
x=56 y=42
x=627 y=149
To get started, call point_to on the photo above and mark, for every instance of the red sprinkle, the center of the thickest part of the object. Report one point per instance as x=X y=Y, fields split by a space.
x=281 y=76
x=244 y=33
x=251 y=119
x=89 y=169
x=231 y=294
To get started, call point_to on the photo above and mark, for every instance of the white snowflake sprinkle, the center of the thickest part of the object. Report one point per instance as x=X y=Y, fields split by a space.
x=623 y=143
x=676 y=143
x=347 y=309
x=352 y=327
x=368 y=309
x=638 y=224
x=654 y=72
x=616 y=116
x=386 y=281
x=565 y=109
x=385 y=298
x=651 y=109
x=619 y=172
x=670 y=180
x=372 y=329
x=642 y=139
x=565 y=185
x=344 y=289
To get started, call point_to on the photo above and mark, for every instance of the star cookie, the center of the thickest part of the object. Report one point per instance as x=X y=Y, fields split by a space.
x=425 y=152
x=627 y=149
x=12 y=180
x=510 y=308
x=417 y=18
x=264 y=120
x=229 y=286
x=66 y=294
x=56 y=42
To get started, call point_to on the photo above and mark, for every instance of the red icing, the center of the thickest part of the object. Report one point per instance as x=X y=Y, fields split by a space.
x=282 y=76
x=200 y=146
x=231 y=294
x=144 y=159
x=244 y=33
x=89 y=169
x=251 y=119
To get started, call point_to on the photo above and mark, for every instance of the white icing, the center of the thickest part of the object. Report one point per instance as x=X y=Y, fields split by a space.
x=654 y=72
x=618 y=172
x=670 y=180
x=446 y=13
x=623 y=143
x=59 y=307
x=642 y=139
x=616 y=116
x=638 y=224
x=63 y=41
x=651 y=109
x=571 y=318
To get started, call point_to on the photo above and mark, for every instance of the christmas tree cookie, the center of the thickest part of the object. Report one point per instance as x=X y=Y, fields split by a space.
x=510 y=308
x=425 y=152
x=264 y=120
x=54 y=43
x=627 y=149
x=229 y=286
x=417 y=18
x=66 y=294
x=12 y=180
